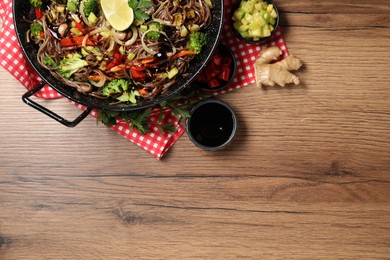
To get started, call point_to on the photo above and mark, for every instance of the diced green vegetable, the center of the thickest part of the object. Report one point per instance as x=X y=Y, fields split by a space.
x=76 y=31
x=130 y=56
x=105 y=34
x=255 y=19
x=72 y=5
x=92 y=18
x=193 y=27
x=183 y=31
x=173 y=72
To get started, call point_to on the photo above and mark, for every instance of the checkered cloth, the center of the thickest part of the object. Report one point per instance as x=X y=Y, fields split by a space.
x=154 y=142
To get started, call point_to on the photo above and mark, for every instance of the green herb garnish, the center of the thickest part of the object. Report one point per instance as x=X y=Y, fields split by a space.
x=139 y=7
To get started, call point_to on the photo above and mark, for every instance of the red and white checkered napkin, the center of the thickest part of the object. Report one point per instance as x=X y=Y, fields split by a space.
x=154 y=142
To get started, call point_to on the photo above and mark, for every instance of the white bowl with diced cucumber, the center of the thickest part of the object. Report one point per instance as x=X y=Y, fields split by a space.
x=254 y=21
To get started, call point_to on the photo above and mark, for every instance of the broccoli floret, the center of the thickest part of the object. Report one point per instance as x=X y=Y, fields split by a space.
x=71 y=64
x=197 y=41
x=129 y=96
x=91 y=6
x=47 y=60
x=72 y=5
x=115 y=86
x=36 y=29
x=36 y=3
x=156 y=27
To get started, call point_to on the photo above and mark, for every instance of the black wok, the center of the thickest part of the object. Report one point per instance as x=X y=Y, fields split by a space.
x=21 y=9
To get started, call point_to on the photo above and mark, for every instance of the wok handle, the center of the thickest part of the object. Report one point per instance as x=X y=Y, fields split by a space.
x=26 y=99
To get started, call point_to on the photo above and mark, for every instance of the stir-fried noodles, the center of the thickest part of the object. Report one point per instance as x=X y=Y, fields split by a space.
x=81 y=48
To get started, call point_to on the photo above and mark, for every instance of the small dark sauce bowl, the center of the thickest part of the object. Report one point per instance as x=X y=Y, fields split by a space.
x=224 y=51
x=212 y=125
x=250 y=41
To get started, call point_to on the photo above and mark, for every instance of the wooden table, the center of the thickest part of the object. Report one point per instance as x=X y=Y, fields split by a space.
x=308 y=175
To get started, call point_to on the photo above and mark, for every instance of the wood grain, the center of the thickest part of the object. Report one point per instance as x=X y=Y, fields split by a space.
x=307 y=176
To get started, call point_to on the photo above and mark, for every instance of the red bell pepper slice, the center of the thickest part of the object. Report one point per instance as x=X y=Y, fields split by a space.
x=80 y=27
x=118 y=57
x=116 y=61
x=38 y=13
x=110 y=65
x=137 y=75
x=139 y=66
x=75 y=41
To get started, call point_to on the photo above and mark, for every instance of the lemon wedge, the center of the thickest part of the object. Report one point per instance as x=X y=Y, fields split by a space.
x=118 y=13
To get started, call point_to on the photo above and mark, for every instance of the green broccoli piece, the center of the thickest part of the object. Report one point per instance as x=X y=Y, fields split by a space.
x=156 y=27
x=36 y=3
x=71 y=64
x=47 y=60
x=196 y=41
x=129 y=96
x=36 y=29
x=115 y=86
x=72 y=5
x=91 y=6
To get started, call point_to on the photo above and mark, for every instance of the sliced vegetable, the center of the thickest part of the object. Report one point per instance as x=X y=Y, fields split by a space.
x=75 y=41
x=80 y=27
x=143 y=92
x=148 y=60
x=136 y=74
x=38 y=13
x=185 y=53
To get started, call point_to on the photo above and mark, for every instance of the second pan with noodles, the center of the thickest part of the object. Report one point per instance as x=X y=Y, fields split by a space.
x=21 y=8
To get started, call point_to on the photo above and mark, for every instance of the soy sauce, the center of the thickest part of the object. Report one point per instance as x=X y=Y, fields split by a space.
x=212 y=124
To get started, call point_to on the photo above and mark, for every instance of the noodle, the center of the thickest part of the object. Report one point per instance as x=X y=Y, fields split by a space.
x=111 y=55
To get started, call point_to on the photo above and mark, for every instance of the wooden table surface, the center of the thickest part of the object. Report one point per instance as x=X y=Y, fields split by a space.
x=307 y=176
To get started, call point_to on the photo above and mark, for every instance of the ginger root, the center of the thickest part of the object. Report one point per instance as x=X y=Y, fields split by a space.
x=277 y=73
